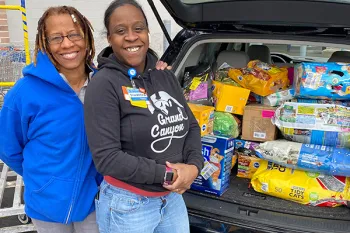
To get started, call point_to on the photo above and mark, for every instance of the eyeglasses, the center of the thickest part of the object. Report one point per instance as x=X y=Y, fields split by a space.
x=58 y=39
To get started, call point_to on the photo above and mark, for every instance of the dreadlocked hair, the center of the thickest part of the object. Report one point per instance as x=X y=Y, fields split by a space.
x=84 y=24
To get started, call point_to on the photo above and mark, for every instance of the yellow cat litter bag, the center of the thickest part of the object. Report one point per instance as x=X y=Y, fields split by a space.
x=261 y=78
x=306 y=188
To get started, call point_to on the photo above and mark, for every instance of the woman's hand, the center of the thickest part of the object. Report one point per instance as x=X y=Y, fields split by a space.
x=160 y=65
x=185 y=176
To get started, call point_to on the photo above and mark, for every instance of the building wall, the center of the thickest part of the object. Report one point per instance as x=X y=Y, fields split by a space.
x=93 y=10
x=4 y=31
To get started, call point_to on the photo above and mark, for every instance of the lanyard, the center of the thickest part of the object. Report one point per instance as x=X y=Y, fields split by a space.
x=132 y=74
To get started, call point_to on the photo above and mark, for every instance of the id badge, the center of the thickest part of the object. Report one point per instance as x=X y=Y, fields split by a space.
x=136 y=97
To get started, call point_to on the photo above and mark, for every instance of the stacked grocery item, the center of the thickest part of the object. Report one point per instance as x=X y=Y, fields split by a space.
x=218 y=102
x=312 y=165
x=291 y=140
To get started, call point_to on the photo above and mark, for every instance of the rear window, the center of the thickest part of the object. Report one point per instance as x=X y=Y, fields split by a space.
x=200 y=1
x=204 y=1
x=304 y=52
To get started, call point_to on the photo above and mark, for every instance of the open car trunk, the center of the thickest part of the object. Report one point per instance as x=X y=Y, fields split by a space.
x=241 y=205
x=213 y=26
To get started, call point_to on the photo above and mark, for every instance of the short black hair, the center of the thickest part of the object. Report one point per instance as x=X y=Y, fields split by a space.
x=115 y=5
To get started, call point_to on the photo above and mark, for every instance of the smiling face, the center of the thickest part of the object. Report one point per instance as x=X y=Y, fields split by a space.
x=128 y=36
x=68 y=55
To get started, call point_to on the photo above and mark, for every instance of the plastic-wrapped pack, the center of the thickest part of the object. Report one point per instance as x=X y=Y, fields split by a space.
x=322 y=124
x=322 y=80
x=197 y=84
x=306 y=188
x=227 y=125
x=308 y=157
x=278 y=98
x=261 y=78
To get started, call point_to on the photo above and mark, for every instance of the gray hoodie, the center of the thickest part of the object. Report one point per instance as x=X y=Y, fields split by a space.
x=131 y=143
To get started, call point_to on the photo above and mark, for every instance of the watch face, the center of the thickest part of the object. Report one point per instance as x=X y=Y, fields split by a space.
x=169 y=176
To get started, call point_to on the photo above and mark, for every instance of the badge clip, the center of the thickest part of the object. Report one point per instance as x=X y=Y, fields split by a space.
x=132 y=74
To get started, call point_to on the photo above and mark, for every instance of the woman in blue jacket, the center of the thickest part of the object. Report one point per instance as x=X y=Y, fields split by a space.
x=42 y=134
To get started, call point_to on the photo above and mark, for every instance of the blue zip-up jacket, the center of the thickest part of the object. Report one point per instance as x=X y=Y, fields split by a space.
x=42 y=138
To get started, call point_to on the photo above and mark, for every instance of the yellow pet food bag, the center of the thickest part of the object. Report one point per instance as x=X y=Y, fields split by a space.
x=205 y=117
x=261 y=78
x=307 y=188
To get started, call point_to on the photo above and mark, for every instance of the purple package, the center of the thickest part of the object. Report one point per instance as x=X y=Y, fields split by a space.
x=200 y=93
x=246 y=147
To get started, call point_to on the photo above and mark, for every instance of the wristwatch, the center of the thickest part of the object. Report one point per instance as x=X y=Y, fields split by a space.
x=169 y=175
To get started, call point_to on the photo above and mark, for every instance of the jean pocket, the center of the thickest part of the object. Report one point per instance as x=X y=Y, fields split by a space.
x=125 y=204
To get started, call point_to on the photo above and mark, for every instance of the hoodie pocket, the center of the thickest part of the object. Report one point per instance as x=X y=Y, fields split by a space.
x=53 y=199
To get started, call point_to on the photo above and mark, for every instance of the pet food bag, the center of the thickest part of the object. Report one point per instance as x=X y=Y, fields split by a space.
x=304 y=187
x=322 y=124
x=308 y=157
x=197 y=84
x=319 y=137
x=248 y=163
x=204 y=116
x=261 y=78
x=221 y=75
x=322 y=80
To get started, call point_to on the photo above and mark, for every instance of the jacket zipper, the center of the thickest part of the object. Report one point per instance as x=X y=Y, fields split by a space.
x=78 y=180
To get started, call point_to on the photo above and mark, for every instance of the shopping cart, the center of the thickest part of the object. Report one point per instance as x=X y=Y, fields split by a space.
x=9 y=179
x=12 y=61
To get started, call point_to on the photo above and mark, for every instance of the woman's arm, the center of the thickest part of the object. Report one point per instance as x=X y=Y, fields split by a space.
x=102 y=121
x=12 y=139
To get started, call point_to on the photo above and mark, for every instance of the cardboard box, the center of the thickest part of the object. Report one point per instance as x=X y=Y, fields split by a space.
x=228 y=98
x=257 y=125
x=205 y=117
x=215 y=176
x=248 y=163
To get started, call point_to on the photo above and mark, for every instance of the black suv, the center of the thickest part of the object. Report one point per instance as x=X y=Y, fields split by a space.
x=236 y=31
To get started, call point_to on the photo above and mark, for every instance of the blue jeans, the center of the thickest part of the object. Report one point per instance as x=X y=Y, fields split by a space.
x=119 y=211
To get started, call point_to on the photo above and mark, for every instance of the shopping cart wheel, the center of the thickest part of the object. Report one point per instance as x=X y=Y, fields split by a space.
x=24 y=219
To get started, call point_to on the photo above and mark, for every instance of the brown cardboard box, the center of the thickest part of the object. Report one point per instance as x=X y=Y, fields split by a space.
x=257 y=125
